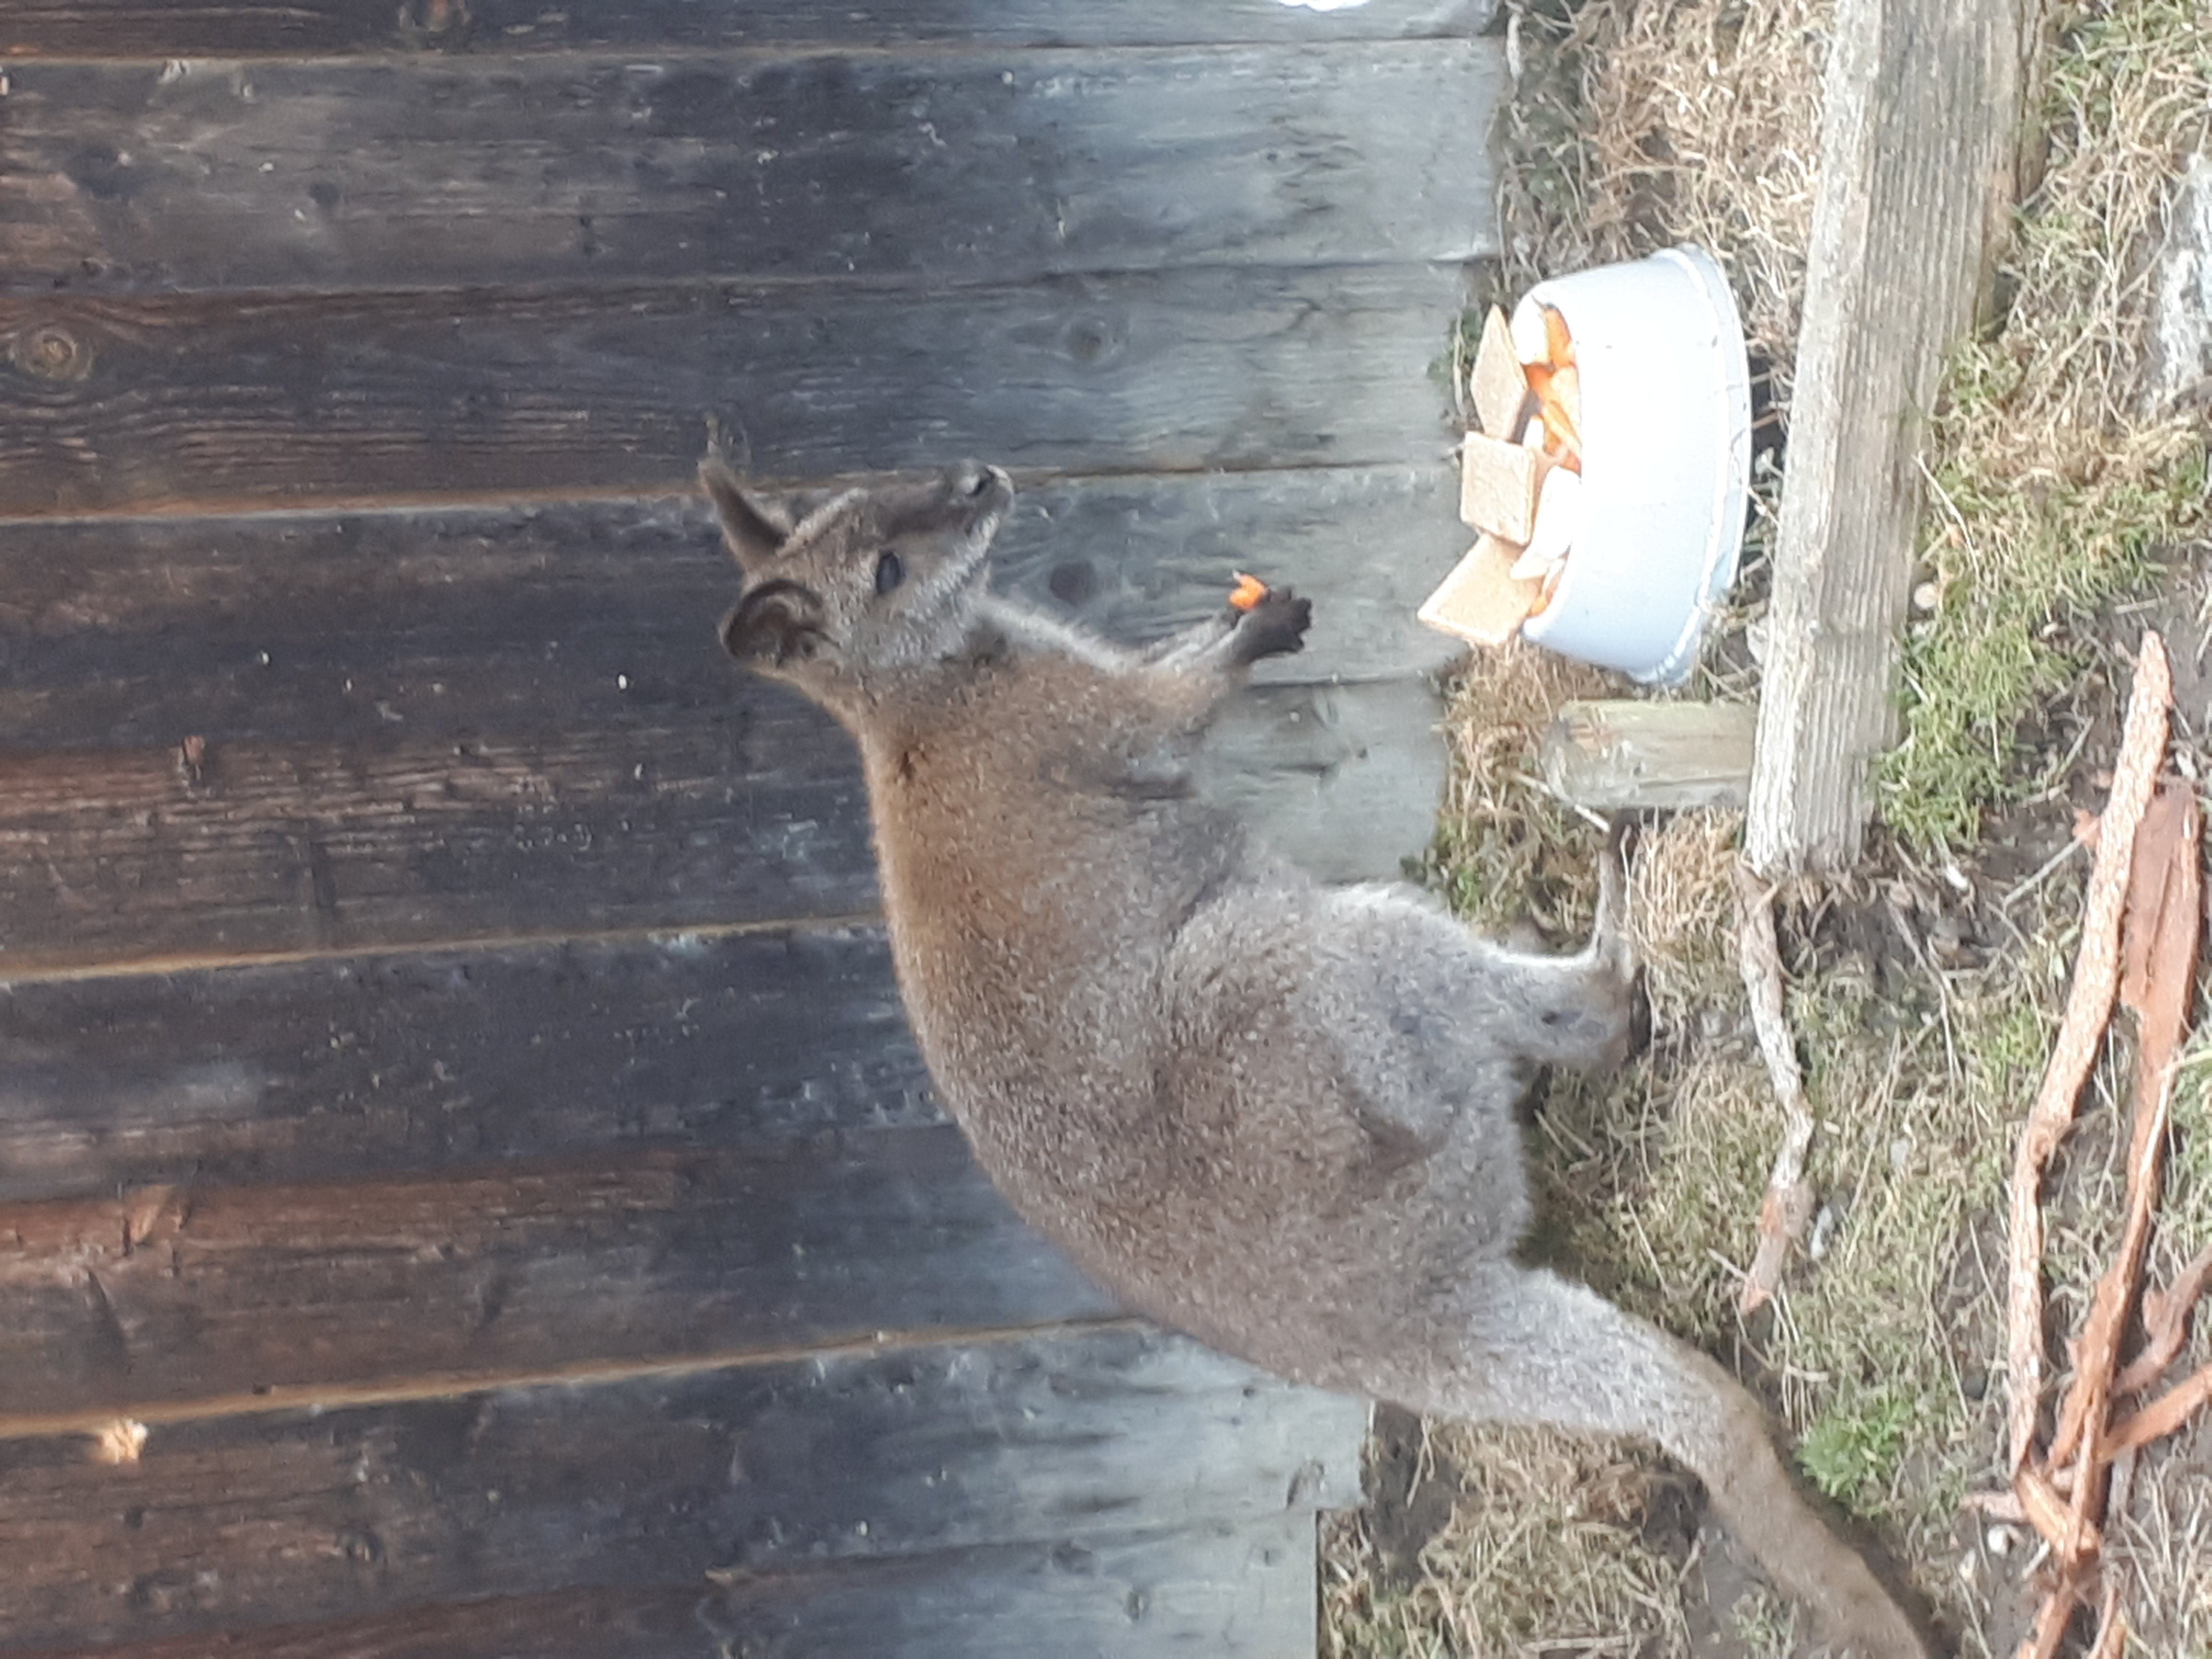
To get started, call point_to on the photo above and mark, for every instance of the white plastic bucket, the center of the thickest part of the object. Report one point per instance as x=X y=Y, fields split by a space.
x=1666 y=438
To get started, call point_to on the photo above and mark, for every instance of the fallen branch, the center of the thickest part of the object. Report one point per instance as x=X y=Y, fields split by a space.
x=2162 y=1416
x=2089 y=1006
x=2157 y=971
x=1787 y=1206
x=2112 y=1627
x=2048 y=1511
x=2051 y=1619
x=2165 y=1327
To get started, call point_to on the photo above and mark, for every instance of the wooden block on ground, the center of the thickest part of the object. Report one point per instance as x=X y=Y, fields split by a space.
x=1921 y=104
x=1610 y=756
x=1482 y=601
x=1498 y=484
x=728 y=1473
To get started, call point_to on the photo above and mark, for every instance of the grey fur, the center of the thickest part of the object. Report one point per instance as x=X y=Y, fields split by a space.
x=1277 y=1115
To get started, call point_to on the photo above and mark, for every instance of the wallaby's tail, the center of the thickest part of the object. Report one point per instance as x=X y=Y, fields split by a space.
x=1547 y=1350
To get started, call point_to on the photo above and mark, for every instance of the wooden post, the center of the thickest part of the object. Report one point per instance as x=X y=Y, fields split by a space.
x=1917 y=155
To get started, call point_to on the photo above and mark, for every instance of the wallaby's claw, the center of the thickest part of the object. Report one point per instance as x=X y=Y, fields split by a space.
x=1273 y=625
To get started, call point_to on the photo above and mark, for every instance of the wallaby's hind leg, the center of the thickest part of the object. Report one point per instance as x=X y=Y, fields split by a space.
x=1542 y=1350
x=1577 y=1010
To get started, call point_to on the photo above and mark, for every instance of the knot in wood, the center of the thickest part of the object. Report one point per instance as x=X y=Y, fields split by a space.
x=51 y=353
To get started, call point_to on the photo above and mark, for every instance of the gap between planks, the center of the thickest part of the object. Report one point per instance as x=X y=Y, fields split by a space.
x=186 y=961
x=674 y=492
x=634 y=53
x=440 y=1385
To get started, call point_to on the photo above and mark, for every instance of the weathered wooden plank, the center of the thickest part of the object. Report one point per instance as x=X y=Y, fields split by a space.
x=1248 y=1591
x=176 y=1294
x=1345 y=781
x=251 y=28
x=1225 y=1591
x=291 y=1515
x=338 y=1068
x=946 y=166
x=1921 y=108
x=145 y=855
x=445 y=623
x=161 y=857
x=228 y=402
x=1666 y=755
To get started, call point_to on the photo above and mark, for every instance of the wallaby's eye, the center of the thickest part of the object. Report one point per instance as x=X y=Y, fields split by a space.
x=890 y=571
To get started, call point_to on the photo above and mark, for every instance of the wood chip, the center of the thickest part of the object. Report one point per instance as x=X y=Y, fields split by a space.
x=122 y=1441
x=2089 y=1006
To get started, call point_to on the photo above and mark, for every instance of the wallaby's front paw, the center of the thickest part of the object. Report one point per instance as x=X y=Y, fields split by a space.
x=1273 y=624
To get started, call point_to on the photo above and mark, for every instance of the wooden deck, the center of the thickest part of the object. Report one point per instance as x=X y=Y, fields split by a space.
x=454 y=1102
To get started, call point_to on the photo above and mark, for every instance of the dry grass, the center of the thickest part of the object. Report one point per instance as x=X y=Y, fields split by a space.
x=1704 y=126
x=2053 y=486
x=1543 y=1556
x=1641 y=125
x=1507 y=851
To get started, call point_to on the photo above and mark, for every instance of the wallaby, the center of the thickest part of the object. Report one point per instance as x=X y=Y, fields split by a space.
x=1277 y=1115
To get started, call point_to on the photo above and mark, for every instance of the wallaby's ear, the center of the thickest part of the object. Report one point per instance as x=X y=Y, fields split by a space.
x=775 y=623
x=755 y=527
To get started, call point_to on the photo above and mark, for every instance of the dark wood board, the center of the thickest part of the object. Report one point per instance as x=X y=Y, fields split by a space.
x=1345 y=781
x=144 y=860
x=1219 y=1591
x=1225 y=1592
x=168 y=1295
x=291 y=1515
x=451 y=622
x=226 y=402
x=257 y=28
x=137 y=856
x=944 y=166
x=342 y=1067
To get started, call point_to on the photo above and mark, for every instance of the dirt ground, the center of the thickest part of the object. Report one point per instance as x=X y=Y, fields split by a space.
x=1925 y=989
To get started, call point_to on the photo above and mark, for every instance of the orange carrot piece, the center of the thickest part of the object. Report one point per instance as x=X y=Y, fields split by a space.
x=1559 y=345
x=1247 y=593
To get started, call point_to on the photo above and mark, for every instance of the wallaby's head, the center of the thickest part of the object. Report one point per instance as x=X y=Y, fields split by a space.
x=846 y=586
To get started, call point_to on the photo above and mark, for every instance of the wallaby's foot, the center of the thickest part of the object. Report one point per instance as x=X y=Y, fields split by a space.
x=1273 y=625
